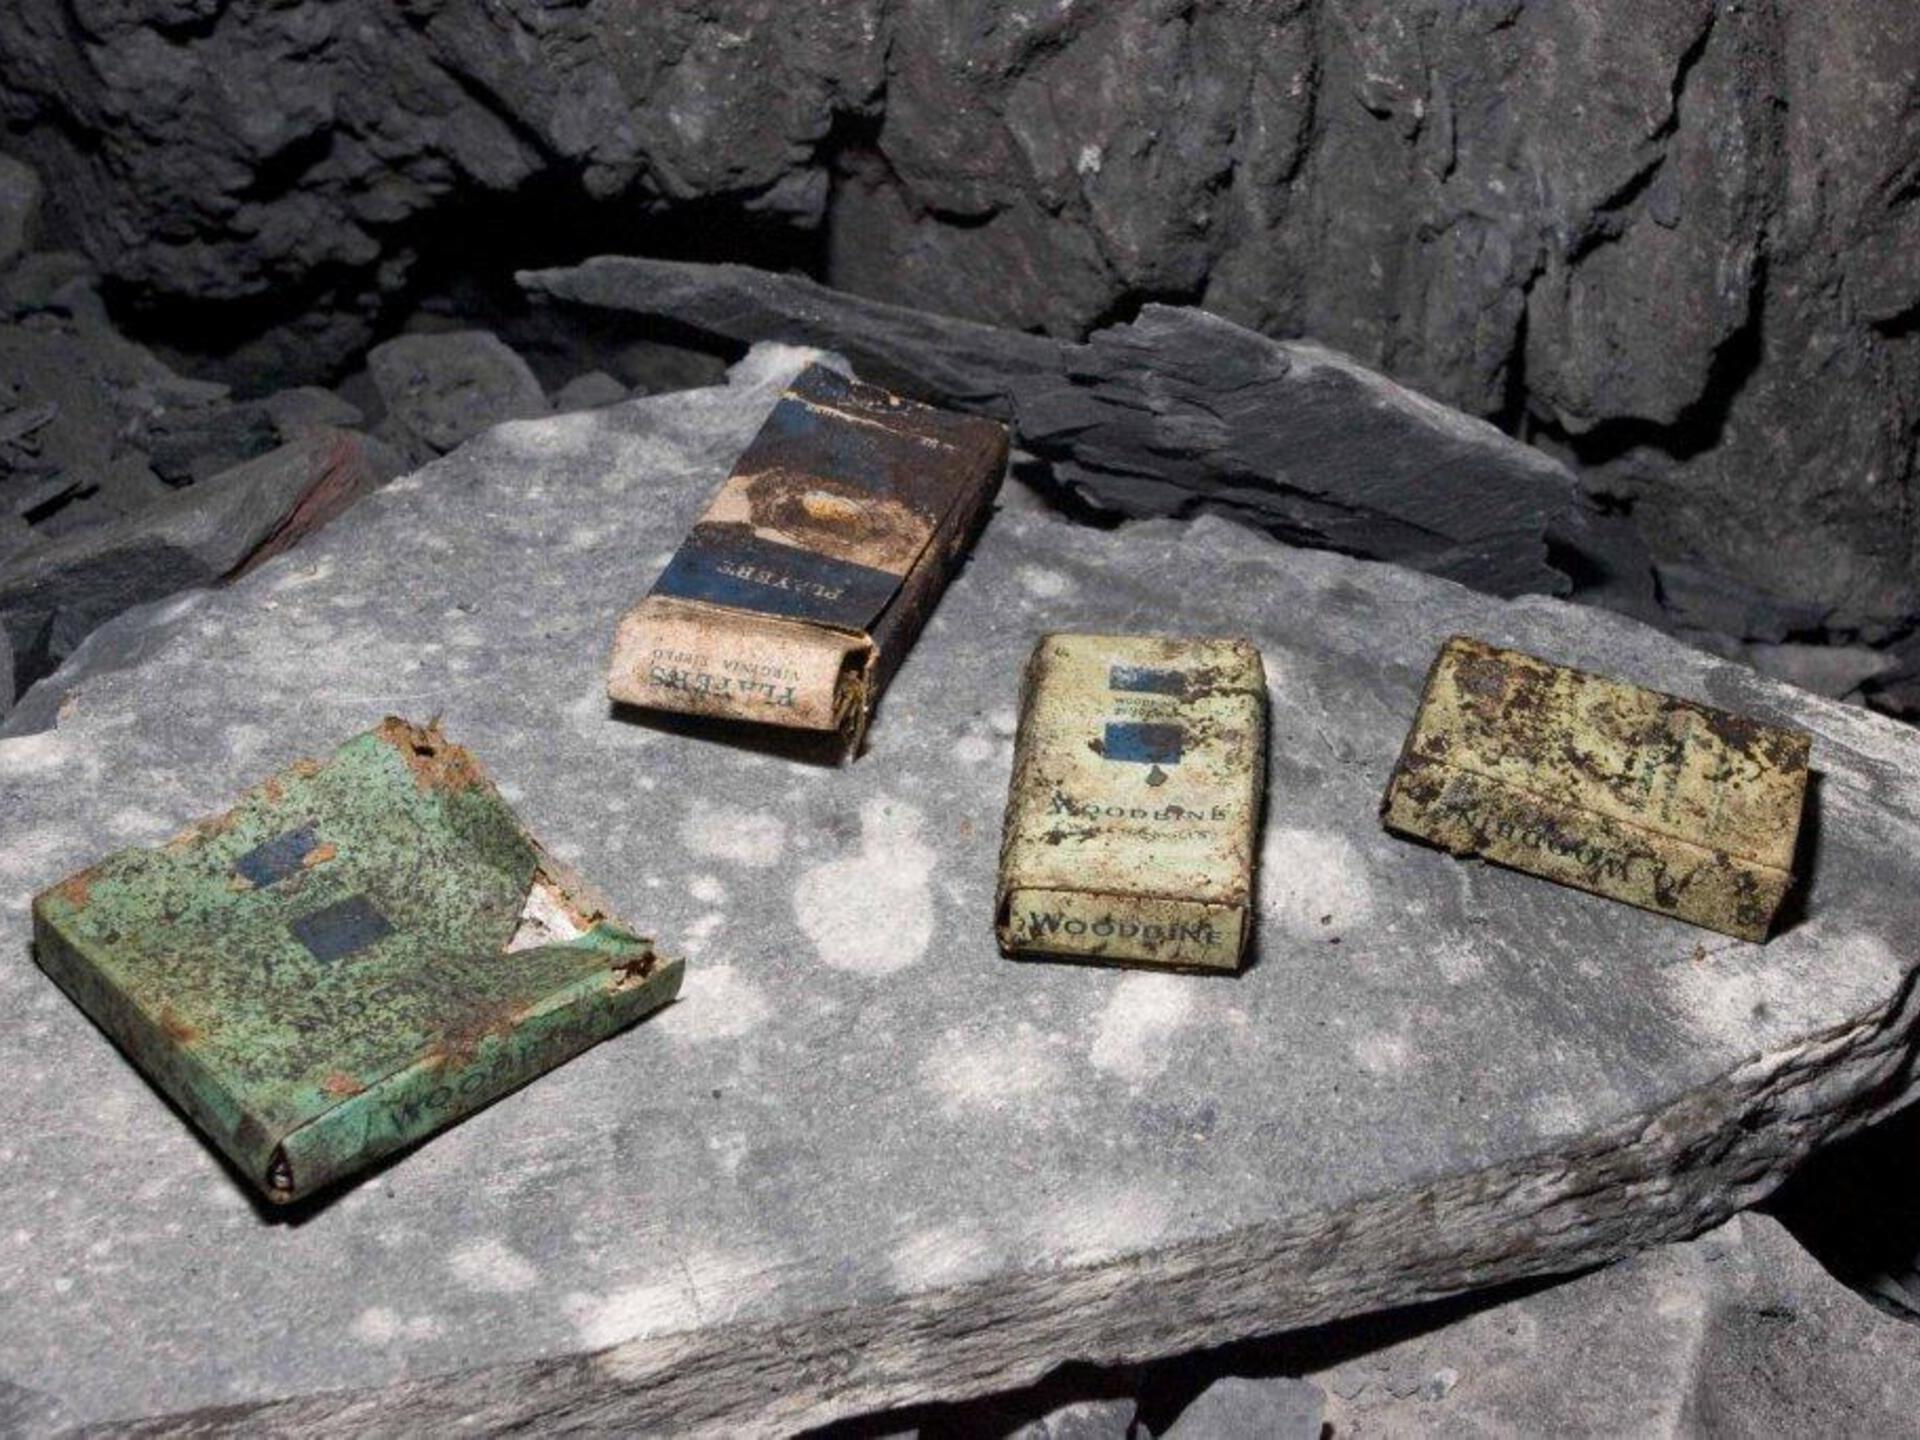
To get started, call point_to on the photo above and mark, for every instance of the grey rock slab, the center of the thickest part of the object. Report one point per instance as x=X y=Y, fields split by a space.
x=20 y=192
x=1176 y=408
x=305 y=407
x=1739 y=1332
x=188 y=444
x=866 y=1162
x=445 y=388
x=1233 y=1408
x=1083 y=1420
x=589 y=391
x=54 y=592
x=38 y=281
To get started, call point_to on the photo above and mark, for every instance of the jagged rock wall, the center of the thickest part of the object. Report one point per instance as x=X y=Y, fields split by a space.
x=1676 y=240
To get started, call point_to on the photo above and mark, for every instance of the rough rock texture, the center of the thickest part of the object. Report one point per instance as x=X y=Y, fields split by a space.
x=1235 y=1409
x=20 y=193
x=1175 y=409
x=443 y=389
x=1856 y=1207
x=1679 y=237
x=589 y=392
x=72 y=396
x=308 y=407
x=184 y=446
x=1082 y=1420
x=866 y=1161
x=1737 y=1333
x=55 y=592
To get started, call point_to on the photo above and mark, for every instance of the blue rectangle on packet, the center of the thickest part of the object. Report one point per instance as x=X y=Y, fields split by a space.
x=1143 y=743
x=1139 y=678
x=725 y=565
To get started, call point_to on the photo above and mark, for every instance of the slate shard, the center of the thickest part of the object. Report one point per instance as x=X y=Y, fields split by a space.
x=799 y=590
x=1137 y=780
x=1663 y=803
x=362 y=951
x=1179 y=407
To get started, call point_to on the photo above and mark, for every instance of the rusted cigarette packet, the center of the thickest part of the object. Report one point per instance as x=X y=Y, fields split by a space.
x=796 y=595
x=1138 y=774
x=362 y=951
x=1605 y=786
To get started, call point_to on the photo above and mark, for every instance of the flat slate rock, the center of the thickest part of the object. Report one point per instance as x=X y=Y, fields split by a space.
x=1176 y=408
x=866 y=1162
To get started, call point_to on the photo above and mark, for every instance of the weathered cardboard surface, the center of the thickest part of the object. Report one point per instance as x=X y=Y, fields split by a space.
x=364 y=949
x=1663 y=803
x=794 y=594
x=1132 y=813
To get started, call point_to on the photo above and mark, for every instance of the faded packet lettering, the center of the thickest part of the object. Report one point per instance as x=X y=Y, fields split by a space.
x=1642 y=797
x=1138 y=773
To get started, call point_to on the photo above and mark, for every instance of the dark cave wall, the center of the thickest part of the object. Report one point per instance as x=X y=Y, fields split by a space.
x=1677 y=241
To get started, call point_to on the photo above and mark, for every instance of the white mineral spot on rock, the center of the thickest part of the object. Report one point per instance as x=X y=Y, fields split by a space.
x=492 y=1267
x=717 y=1002
x=772 y=363
x=379 y=1325
x=1457 y=960
x=704 y=1287
x=699 y=931
x=1044 y=584
x=708 y=890
x=1382 y=1053
x=131 y=823
x=287 y=576
x=1313 y=883
x=38 y=754
x=1558 y=1115
x=548 y=438
x=1139 y=1021
x=1092 y=1227
x=1729 y=987
x=974 y=749
x=872 y=913
x=983 y=1071
x=723 y=832
x=939 y=1255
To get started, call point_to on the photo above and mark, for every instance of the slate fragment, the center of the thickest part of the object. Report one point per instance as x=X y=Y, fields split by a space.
x=588 y=391
x=20 y=192
x=1233 y=1408
x=54 y=592
x=441 y=389
x=1175 y=409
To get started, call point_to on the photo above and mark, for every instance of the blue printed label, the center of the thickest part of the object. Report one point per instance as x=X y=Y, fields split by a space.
x=1143 y=743
x=336 y=931
x=1141 y=679
x=724 y=565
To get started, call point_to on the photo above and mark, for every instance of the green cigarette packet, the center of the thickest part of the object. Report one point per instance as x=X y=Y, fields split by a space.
x=1132 y=817
x=361 y=952
x=1605 y=786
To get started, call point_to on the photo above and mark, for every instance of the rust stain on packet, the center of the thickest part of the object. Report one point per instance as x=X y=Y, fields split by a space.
x=1132 y=817
x=1608 y=787
x=796 y=594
